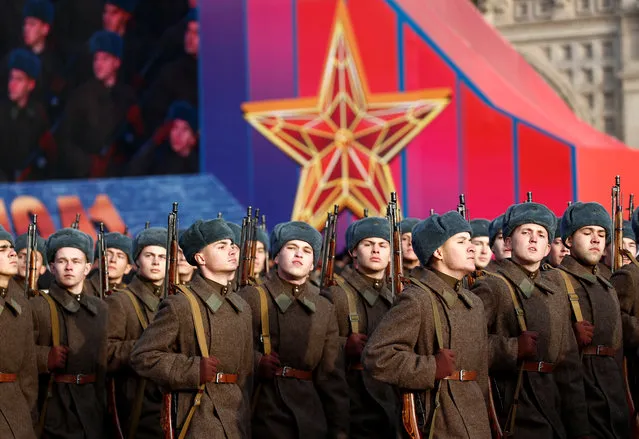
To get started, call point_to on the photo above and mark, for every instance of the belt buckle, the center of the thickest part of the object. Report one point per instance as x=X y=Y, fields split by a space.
x=540 y=366
x=461 y=375
x=218 y=377
x=78 y=378
x=285 y=370
x=599 y=349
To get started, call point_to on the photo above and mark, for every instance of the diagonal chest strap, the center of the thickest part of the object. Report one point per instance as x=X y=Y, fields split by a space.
x=55 y=337
x=574 y=298
x=136 y=307
x=266 y=335
x=351 y=298
x=519 y=311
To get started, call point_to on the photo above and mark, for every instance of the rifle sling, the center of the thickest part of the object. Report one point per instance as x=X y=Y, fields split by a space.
x=351 y=298
x=440 y=342
x=201 y=341
x=55 y=338
x=266 y=335
x=574 y=299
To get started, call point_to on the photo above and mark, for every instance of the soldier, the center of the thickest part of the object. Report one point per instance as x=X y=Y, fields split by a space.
x=302 y=391
x=131 y=310
x=100 y=107
x=41 y=262
x=172 y=354
x=533 y=354
x=261 y=251
x=70 y=334
x=480 y=237
x=185 y=270
x=409 y=258
x=23 y=120
x=496 y=241
x=585 y=228
x=18 y=368
x=433 y=341
x=361 y=298
x=119 y=264
x=558 y=251
x=629 y=245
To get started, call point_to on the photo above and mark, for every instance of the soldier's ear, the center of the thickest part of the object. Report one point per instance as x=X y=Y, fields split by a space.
x=438 y=254
x=547 y=250
x=508 y=244
x=128 y=268
x=568 y=242
x=199 y=259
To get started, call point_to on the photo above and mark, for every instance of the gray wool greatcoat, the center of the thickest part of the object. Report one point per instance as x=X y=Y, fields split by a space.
x=74 y=411
x=303 y=331
x=603 y=375
x=374 y=406
x=167 y=353
x=402 y=352
x=551 y=405
x=18 y=411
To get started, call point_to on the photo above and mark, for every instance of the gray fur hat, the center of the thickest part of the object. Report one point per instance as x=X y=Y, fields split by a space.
x=480 y=227
x=151 y=236
x=579 y=215
x=370 y=227
x=237 y=232
x=6 y=236
x=295 y=230
x=406 y=225
x=494 y=228
x=434 y=231
x=69 y=237
x=120 y=242
x=263 y=237
x=628 y=231
x=202 y=233
x=41 y=245
x=529 y=213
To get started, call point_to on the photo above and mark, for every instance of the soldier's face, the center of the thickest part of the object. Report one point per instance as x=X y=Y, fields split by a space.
x=218 y=257
x=408 y=254
x=105 y=66
x=184 y=268
x=34 y=31
x=22 y=263
x=152 y=263
x=8 y=259
x=295 y=260
x=372 y=255
x=113 y=18
x=20 y=85
x=118 y=263
x=528 y=243
x=182 y=138
x=631 y=246
x=499 y=248
x=260 y=258
x=558 y=251
x=457 y=255
x=587 y=244
x=192 y=38
x=70 y=267
x=483 y=253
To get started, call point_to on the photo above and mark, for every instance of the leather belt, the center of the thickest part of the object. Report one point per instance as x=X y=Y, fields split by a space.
x=289 y=372
x=225 y=378
x=8 y=377
x=462 y=375
x=538 y=366
x=600 y=351
x=356 y=366
x=74 y=379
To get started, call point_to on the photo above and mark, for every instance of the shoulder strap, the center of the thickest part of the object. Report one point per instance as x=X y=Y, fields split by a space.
x=519 y=311
x=136 y=306
x=574 y=299
x=266 y=335
x=55 y=320
x=351 y=298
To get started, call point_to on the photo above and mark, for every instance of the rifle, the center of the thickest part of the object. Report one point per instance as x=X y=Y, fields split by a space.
x=76 y=224
x=396 y=266
x=529 y=198
x=327 y=276
x=31 y=271
x=103 y=265
x=248 y=246
x=365 y=212
x=169 y=412
x=631 y=206
x=147 y=225
x=461 y=207
x=266 y=261
x=432 y=212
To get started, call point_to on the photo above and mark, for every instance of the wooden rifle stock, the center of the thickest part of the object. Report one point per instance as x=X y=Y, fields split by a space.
x=253 y=244
x=409 y=416
x=396 y=267
x=103 y=265
x=31 y=272
x=631 y=206
x=327 y=277
x=246 y=244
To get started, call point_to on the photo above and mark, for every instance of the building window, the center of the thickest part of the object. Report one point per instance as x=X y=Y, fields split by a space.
x=521 y=11
x=545 y=6
x=548 y=52
x=584 y=5
x=605 y=5
x=609 y=101
x=610 y=126
x=588 y=77
x=608 y=75
x=607 y=49
x=587 y=48
x=590 y=100
x=567 y=52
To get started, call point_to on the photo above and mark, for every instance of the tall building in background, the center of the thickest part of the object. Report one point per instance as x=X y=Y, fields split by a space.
x=587 y=50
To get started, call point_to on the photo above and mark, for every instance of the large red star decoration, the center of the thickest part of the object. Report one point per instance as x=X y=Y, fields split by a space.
x=345 y=137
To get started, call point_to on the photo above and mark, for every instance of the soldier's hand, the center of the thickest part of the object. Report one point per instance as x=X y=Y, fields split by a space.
x=355 y=345
x=445 y=363
x=584 y=331
x=57 y=357
x=208 y=369
x=268 y=365
x=527 y=345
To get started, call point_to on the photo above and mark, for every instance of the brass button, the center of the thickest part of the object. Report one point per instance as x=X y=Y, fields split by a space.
x=296 y=289
x=594 y=270
x=378 y=284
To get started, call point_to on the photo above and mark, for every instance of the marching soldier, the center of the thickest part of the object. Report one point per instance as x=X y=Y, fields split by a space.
x=433 y=341
x=596 y=317
x=558 y=251
x=629 y=245
x=130 y=311
x=18 y=368
x=201 y=318
x=496 y=241
x=262 y=247
x=409 y=258
x=480 y=237
x=533 y=355
x=302 y=391
x=70 y=334
x=119 y=263
x=41 y=262
x=361 y=298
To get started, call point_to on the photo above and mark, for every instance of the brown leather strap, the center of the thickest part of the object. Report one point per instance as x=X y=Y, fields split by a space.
x=74 y=379
x=356 y=366
x=538 y=366
x=8 y=377
x=600 y=351
x=225 y=378
x=289 y=372
x=462 y=375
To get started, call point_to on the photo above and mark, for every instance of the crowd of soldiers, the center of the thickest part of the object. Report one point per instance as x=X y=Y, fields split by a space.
x=515 y=325
x=98 y=88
